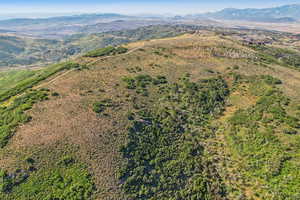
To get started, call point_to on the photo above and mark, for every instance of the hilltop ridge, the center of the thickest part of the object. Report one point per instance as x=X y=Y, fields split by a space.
x=184 y=117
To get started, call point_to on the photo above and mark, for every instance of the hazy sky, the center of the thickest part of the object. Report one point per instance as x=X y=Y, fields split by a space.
x=131 y=6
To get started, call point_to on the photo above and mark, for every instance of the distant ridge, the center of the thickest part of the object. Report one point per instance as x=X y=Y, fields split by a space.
x=287 y=13
x=62 y=19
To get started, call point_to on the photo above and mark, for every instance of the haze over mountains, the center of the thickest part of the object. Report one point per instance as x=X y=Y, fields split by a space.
x=93 y=23
x=26 y=41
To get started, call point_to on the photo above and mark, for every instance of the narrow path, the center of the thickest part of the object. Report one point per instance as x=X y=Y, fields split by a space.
x=105 y=57
x=53 y=80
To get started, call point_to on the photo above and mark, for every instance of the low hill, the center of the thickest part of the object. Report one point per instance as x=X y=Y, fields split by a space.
x=208 y=115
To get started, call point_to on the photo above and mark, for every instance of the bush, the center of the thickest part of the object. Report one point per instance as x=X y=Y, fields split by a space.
x=99 y=107
x=55 y=94
x=290 y=131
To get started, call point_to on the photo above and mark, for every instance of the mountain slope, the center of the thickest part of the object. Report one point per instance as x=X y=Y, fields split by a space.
x=186 y=117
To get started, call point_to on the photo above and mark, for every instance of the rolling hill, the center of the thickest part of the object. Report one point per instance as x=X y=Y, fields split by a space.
x=30 y=51
x=209 y=114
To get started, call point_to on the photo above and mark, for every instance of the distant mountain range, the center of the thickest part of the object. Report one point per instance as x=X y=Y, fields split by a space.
x=58 y=27
x=287 y=13
x=78 y=19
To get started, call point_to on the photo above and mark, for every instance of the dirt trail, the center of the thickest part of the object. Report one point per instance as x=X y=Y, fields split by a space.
x=119 y=55
x=53 y=80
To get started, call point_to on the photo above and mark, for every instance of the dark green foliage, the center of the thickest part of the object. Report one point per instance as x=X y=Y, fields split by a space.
x=30 y=160
x=134 y=69
x=130 y=116
x=130 y=83
x=55 y=94
x=290 y=131
x=67 y=161
x=271 y=80
x=13 y=115
x=99 y=107
x=107 y=51
x=165 y=158
x=160 y=80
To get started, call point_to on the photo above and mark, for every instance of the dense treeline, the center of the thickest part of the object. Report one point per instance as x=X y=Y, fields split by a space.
x=165 y=158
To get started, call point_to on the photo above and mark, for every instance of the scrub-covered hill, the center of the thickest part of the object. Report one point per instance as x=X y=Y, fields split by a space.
x=197 y=116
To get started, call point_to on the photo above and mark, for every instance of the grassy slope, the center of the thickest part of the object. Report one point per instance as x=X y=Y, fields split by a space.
x=10 y=78
x=66 y=125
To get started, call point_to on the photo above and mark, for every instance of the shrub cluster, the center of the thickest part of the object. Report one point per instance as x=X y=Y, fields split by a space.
x=140 y=83
x=165 y=158
x=107 y=51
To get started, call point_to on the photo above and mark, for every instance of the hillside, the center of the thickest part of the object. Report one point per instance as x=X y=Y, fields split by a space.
x=283 y=14
x=209 y=115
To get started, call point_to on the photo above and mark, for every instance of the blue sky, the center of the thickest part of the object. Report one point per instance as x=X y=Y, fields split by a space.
x=132 y=6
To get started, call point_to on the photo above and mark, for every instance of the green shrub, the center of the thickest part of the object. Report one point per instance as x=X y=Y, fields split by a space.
x=99 y=107
x=55 y=94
